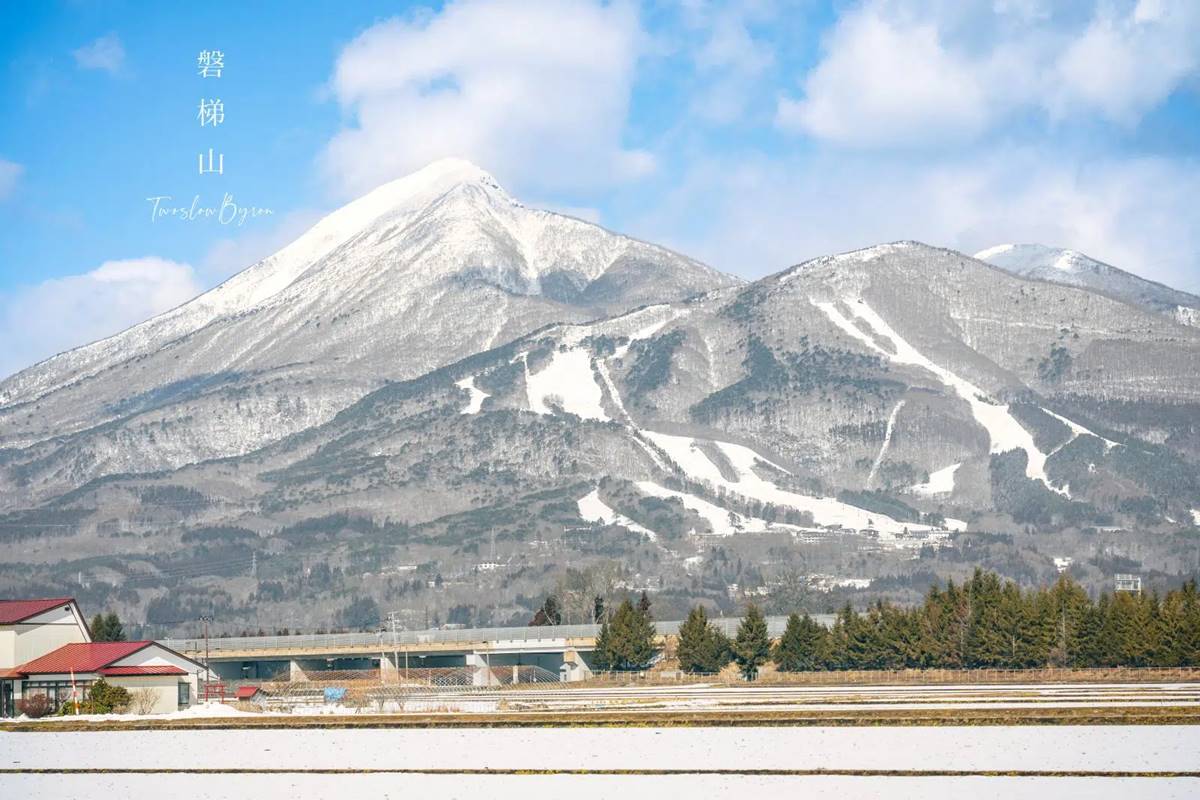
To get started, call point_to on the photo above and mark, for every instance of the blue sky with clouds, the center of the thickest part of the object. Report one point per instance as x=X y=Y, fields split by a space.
x=751 y=134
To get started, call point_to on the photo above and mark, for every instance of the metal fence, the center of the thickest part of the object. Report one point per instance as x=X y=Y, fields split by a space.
x=465 y=636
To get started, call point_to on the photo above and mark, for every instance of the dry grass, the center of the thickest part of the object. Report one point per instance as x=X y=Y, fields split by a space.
x=1165 y=715
x=769 y=676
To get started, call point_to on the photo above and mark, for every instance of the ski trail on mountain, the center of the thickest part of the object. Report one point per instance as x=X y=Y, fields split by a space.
x=1078 y=430
x=826 y=511
x=887 y=440
x=593 y=509
x=940 y=482
x=1004 y=431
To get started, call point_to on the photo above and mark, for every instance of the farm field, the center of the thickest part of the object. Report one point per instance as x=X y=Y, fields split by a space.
x=997 y=761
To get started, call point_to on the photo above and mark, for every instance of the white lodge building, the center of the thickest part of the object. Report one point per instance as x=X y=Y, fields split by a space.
x=46 y=648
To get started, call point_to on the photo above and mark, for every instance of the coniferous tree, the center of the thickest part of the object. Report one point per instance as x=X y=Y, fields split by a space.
x=548 y=614
x=107 y=628
x=702 y=648
x=626 y=641
x=752 y=647
x=802 y=646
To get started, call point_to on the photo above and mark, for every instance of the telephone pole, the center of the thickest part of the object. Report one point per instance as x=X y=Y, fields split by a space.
x=206 y=618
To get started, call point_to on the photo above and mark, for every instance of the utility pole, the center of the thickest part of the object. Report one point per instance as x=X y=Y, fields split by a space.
x=207 y=618
x=393 y=623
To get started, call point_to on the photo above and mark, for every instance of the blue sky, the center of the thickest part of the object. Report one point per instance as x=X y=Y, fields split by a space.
x=751 y=134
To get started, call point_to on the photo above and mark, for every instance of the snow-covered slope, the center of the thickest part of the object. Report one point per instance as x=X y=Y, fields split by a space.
x=1072 y=268
x=419 y=273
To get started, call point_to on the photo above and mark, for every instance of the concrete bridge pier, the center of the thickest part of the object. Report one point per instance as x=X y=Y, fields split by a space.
x=574 y=668
x=298 y=669
x=483 y=676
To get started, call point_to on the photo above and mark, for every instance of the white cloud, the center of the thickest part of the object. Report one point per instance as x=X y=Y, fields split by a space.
x=61 y=313
x=537 y=92
x=885 y=82
x=729 y=59
x=10 y=173
x=106 y=53
x=892 y=74
x=765 y=215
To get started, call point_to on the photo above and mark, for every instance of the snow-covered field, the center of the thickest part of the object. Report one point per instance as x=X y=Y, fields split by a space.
x=428 y=762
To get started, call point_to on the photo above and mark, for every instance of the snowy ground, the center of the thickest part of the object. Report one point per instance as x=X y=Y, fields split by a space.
x=430 y=762
x=940 y=482
x=477 y=396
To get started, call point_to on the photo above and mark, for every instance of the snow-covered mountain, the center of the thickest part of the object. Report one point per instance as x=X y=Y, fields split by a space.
x=1072 y=268
x=419 y=273
x=436 y=368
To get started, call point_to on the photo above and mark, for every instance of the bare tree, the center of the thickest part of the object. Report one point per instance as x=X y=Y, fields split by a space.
x=142 y=701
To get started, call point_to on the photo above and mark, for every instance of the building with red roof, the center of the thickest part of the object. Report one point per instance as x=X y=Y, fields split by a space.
x=46 y=648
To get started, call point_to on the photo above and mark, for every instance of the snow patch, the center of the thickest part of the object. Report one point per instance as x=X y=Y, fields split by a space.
x=1003 y=429
x=593 y=509
x=1196 y=517
x=477 y=396
x=568 y=378
x=984 y=255
x=1187 y=316
x=940 y=482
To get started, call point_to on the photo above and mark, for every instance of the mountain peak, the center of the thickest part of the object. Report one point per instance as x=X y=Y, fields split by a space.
x=1073 y=268
x=1024 y=259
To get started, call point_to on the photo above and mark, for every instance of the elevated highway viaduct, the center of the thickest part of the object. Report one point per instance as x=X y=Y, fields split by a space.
x=566 y=650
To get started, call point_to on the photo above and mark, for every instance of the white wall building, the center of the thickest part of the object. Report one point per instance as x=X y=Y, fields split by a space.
x=46 y=648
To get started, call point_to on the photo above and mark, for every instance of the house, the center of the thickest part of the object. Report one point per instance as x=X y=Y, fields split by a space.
x=46 y=648
x=169 y=678
x=32 y=628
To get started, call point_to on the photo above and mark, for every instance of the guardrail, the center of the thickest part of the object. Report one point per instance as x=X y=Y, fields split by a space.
x=531 y=633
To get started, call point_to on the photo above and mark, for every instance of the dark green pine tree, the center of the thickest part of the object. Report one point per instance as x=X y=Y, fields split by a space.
x=1181 y=627
x=107 y=628
x=1068 y=606
x=1089 y=649
x=802 y=648
x=603 y=653
x=702 y=648
x=752 y=647
x=988 y=641
x=626 y=642
x=693 y=641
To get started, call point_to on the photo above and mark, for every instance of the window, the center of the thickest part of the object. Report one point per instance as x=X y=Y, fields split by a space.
x=59 y=692
x=185 y=694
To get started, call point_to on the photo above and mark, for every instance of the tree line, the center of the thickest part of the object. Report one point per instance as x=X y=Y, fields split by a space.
x=984 y=622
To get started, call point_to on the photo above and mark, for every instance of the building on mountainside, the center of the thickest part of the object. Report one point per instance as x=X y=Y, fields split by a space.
x=1128 y=583
x=46 y=649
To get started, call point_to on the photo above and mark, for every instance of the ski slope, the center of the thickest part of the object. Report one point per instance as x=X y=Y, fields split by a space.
x=593 y=509
x=476 y=396
x=826 y=511
x=568 y=379
x=1004 y=431
x=940 y=482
